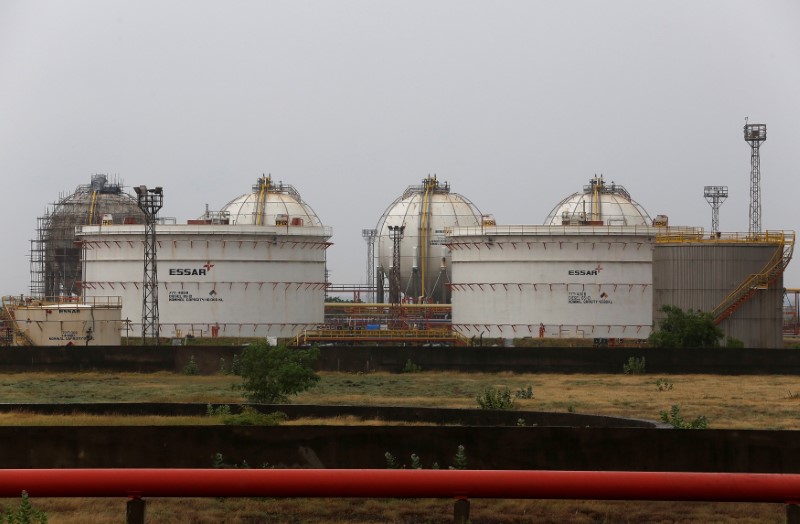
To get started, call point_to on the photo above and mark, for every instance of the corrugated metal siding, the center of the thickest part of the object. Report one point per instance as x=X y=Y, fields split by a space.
x=700 y=276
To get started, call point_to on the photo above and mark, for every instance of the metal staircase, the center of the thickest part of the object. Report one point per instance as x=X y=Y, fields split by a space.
x=763 y=279
x=19 y=337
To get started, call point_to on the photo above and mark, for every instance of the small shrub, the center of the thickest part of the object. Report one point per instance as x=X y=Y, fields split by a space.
x=236 y=365
x=525 y=393
x=733 y=343
x=222 y=410
x=391 y=462
x=24 y=513
x=495 y=399
x=675 y=419
x=663 y=385
x=460 y=460
x=634 y=366
x=521 y=422
x=251 y=417
x=191 y=367
x=571 y=408
x=410 y=367
x=219 y=463
x=416 y=462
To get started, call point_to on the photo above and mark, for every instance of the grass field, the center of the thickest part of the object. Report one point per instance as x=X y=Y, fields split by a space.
x=729 y=402
x=743 y=402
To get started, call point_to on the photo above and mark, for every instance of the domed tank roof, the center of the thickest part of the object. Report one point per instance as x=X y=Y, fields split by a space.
x=426 y=211
x=55 y=254
x=271 y=204
x=599 y=204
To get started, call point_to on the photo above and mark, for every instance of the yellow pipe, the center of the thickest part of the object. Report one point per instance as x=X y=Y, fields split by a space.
x=91 y=208
x=265 y=182
x=596 y=203
x=424 y=250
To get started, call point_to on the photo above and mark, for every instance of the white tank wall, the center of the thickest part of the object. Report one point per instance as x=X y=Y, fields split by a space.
x=70 y=324
x=578 y=282
x=245 y=280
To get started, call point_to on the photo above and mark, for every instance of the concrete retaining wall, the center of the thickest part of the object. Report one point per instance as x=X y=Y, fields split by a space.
x=367 y=359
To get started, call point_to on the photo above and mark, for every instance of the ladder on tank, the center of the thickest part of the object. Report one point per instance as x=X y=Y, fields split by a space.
x=761 y=280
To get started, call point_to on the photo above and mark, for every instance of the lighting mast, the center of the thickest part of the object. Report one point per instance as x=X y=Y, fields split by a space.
x=755 y=135
x=715 y=196
x=150 y=202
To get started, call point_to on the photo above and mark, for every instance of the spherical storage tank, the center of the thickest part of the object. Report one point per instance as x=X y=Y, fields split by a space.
x=425 y=213
x=55 y=255
x=270 y=204
x=599 y=204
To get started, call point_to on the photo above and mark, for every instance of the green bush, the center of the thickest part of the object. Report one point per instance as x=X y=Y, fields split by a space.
x=271 y=374
x=690 y=329
x=191 y=367
x=663 y=384
x=410 y=367
x=733 y=343
x=460 y=460
x=495 y=399
x=524 y=393
x=252 y=417
x=634 y=366
x=223 y=410
x=675 y=419
x=24 y=513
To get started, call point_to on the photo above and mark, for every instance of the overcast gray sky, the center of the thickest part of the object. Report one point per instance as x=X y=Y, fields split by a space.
x=515 y=103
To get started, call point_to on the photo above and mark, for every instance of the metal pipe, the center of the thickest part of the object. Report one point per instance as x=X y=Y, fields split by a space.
x=503 y=484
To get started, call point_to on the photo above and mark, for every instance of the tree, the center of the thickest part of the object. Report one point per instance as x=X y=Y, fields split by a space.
x=271 y=374
x=682 y=329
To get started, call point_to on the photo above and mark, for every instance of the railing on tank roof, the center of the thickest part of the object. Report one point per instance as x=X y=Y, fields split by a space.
x=769 y=237
x=210 y=229
x=28 y=301
x=509 y=230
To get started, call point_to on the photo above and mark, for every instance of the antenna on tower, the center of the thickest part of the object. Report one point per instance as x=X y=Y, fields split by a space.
x=149 y=201
x=755 y=134
x=715 y=196
x=369 y=235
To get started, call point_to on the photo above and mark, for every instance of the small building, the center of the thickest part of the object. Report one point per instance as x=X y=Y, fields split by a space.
x=66 y=321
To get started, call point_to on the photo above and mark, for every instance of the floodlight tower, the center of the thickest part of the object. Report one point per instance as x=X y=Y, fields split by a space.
x=369 y=235
x=755 y=135
x=715 y=196
x=396 y=234
x=149 y=201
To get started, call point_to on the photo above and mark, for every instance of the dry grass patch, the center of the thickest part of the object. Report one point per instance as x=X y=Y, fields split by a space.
x=375 y=511
x=740 y=402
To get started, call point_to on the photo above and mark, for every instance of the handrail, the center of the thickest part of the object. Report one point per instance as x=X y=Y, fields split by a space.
x=670 y=236
x=379 y=483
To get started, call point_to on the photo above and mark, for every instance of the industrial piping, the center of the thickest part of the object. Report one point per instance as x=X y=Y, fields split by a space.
x=458 y=484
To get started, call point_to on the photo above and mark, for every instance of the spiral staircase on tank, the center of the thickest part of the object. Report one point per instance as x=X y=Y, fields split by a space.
x=784 y=241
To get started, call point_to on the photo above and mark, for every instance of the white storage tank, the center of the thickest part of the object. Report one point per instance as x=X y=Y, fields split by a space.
x=254 y=269
x=426 y=212
x=586 y=273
